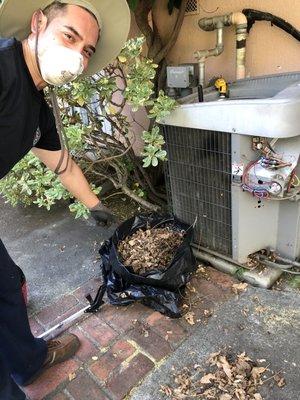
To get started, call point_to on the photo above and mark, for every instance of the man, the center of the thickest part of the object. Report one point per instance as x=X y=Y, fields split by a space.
x=45 y=43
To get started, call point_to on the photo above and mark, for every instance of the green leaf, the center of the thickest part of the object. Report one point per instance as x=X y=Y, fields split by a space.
x=80 y=101
x=155 y=161
x=161 y=154
x=147 y=162
x=78 y=211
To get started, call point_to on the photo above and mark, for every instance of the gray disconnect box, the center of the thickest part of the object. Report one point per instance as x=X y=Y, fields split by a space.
x=182 y=76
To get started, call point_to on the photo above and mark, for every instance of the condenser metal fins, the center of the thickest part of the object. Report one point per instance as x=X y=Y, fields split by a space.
x=198 y=174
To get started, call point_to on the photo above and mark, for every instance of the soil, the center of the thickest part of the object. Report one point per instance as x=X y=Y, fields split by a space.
x=150 y=249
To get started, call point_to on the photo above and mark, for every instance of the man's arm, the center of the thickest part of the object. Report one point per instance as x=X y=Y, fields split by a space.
x=72 y=179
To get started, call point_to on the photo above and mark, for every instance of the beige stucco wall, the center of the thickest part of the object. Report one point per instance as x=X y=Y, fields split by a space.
x=269 y=49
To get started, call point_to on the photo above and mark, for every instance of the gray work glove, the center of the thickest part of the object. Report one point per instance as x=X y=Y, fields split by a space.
x=103 y=215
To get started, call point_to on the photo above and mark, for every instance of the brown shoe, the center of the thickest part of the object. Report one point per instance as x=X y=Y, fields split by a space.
x=59 y=350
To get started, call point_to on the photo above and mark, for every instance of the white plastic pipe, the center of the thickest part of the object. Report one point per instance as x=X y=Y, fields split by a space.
x=239 y=20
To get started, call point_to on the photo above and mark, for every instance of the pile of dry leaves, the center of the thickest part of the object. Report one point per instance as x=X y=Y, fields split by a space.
x=150 y=249
x=229 y=378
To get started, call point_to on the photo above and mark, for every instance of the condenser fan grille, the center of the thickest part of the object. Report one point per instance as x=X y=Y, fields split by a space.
x=198 y=174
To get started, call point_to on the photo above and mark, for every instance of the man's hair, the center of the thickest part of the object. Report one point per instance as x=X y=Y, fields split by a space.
x=57 y=7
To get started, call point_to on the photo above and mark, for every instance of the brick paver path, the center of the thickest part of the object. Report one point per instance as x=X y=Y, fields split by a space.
x=121 y=345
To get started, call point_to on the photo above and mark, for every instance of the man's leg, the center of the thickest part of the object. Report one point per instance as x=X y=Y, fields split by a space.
x=9 y=390
x=22 y=354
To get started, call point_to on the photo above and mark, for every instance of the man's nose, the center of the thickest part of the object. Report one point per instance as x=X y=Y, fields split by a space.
x=85 y=63
x=79 y=48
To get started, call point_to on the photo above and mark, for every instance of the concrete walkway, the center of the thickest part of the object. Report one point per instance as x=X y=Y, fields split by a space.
x=263 y=324
x=56 y=252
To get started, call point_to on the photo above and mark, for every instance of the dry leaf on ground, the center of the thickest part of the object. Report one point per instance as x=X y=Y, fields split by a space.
x=190 y=318
x=207 y=378
x=208 y=313
x=280 y=381
x=72 y=376
x=166 y=390
x=228 y=377
x=226 y=396
x=238 y=288
x=257 y=371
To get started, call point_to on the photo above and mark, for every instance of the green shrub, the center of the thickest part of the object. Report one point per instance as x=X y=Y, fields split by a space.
x=30 y=182
x=103 y=153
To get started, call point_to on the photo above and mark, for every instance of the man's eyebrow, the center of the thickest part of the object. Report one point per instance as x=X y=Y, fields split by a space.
x=80 y=37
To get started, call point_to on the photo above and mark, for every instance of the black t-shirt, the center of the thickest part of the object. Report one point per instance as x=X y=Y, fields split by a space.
x=25 y=118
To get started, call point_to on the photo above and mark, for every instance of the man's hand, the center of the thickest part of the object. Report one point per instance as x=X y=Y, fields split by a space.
x=103 y=215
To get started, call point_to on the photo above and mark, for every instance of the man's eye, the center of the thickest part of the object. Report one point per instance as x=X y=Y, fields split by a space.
x=88 y=53
x=68 y=36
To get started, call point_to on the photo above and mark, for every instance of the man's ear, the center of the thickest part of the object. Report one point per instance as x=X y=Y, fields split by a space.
x=38 y=22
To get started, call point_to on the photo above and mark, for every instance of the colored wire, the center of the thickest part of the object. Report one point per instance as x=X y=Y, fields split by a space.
x=256 y=192
x=264 y=193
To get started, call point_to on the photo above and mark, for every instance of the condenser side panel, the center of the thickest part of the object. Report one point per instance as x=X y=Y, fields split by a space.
x=263 y=223
x=198 y=175
x=254 y=221
x=288 y=238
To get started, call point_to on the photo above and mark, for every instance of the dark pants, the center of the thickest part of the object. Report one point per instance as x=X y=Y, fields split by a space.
x=21 y=355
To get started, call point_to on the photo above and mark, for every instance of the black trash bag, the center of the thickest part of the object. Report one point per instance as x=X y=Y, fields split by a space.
x=160 y=290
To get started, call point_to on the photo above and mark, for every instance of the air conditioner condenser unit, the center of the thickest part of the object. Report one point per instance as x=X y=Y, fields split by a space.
x=233 y=166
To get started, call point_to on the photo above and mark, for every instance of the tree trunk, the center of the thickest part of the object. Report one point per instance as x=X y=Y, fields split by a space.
x=157 y=44
x=175 y=32
x=157 y=51
x=161 y=77
x=141 y=14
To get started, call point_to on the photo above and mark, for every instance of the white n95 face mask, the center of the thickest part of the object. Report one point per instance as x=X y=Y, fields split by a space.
x=59 y=64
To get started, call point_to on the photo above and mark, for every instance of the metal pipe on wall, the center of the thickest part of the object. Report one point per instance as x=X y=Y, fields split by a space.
x=202 y=55
x=218 y=23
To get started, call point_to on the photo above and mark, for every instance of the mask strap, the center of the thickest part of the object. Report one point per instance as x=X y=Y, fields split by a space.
x=61 y=133
x=37 y=41
x=58 y=122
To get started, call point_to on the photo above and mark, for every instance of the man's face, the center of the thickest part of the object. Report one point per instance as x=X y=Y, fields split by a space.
x=75 y=28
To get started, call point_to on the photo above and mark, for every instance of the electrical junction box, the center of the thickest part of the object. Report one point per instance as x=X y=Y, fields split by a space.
x=181 y=77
